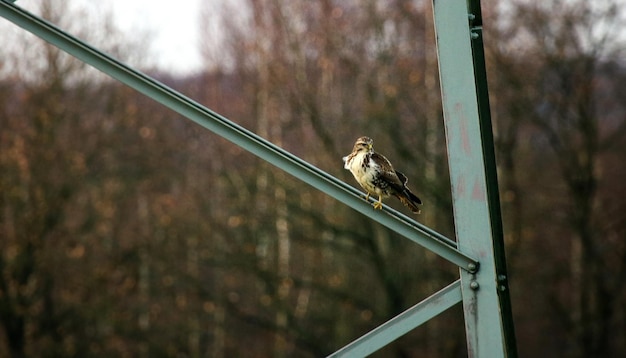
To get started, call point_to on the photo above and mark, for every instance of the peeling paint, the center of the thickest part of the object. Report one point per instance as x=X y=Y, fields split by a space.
x=465 y=142
x=478 y=192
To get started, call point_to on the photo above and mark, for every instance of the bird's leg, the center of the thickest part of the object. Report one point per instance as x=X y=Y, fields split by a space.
x=379 y=203
x=367 y=196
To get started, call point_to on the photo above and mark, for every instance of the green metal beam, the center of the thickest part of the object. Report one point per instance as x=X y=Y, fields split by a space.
x=403 y=323
x=491 y=176
x=488 y=320
x=218 y=124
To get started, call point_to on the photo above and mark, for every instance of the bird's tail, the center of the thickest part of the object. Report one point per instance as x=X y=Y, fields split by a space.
x=406 y=197
x=410 y=200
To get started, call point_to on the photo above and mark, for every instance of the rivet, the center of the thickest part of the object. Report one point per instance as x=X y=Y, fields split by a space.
x=474 y=285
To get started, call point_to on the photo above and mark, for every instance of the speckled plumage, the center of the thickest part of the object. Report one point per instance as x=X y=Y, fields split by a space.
x=377 y=176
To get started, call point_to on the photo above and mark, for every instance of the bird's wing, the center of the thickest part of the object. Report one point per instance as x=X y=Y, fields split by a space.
x=402 y=178
x=386 y=170
x=407 y=191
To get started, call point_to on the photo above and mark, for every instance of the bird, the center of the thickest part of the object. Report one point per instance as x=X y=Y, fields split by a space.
x=377 y=176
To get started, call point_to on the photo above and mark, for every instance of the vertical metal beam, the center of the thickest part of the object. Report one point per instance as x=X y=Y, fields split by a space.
x=486 y=302
x=493 y=195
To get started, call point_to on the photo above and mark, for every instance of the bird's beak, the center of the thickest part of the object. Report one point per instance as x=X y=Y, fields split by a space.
x=369 y=146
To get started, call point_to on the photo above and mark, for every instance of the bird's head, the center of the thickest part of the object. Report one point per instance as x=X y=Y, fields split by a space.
x=363 y=144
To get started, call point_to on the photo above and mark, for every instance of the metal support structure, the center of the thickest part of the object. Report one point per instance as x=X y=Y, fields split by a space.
x=488 y=319
x=484 y=294
x=403 y=323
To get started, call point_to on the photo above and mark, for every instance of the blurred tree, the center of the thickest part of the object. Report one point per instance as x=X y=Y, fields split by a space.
x=560 y=97
x=127 y=231
x=50 y=187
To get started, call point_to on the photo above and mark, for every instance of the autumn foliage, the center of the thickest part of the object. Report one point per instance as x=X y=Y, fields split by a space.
x=127 y=230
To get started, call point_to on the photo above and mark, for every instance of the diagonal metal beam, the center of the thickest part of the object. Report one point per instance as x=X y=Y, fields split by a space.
x=240 y=136
x=403 y=323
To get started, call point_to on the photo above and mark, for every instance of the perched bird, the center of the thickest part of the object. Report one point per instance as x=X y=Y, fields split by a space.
x=376 y=175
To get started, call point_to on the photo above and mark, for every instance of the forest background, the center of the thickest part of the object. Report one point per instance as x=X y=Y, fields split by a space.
x=126 y=230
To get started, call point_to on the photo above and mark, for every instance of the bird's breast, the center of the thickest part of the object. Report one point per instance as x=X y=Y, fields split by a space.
x=365 y=171
x=358 y=164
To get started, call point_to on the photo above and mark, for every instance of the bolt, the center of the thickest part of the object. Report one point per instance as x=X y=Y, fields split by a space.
x=474 y=285
x=474 y=35
x=471 y=267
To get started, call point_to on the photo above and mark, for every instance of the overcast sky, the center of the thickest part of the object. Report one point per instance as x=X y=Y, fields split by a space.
x=172 y=25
